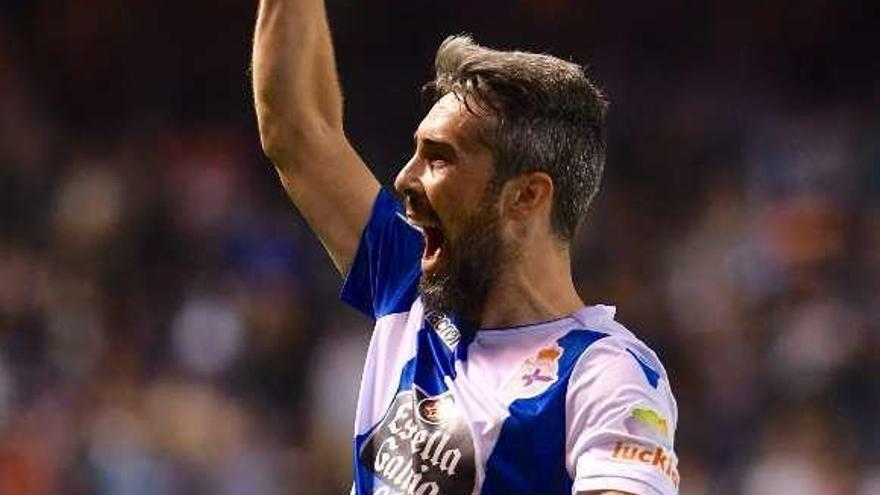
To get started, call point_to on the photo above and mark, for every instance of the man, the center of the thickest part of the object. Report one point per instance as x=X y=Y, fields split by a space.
x=486 y=373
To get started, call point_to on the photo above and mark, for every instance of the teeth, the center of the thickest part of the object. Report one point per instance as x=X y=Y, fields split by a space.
x=419 y=226
x=411 y=222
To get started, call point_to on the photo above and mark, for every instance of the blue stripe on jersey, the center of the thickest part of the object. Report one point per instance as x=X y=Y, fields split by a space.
x=651 y=374
x=432 y=363
x=384 y=275
x=363 y=480
x=529 y=456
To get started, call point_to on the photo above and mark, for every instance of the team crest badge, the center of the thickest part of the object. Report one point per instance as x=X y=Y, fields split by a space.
x=536 y=374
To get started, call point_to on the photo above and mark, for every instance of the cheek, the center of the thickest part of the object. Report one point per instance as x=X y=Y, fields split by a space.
x=453 y=205
x=455 y=196
x=444 y=196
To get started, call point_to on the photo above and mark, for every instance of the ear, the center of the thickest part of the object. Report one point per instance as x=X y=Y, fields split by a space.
x=528 y=194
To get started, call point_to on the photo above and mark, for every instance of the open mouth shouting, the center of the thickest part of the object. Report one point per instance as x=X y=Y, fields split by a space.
x=435 y=240
x=457 y=269
x=434 y=244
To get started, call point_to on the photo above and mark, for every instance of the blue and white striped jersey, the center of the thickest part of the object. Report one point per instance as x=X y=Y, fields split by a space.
x=565 y=406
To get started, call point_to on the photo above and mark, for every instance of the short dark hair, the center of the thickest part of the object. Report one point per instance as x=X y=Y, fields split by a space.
x=546 y=116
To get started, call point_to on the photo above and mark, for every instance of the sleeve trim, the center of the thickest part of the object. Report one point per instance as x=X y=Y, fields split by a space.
x=604 y=472
x=628 y=485
x=384 y=274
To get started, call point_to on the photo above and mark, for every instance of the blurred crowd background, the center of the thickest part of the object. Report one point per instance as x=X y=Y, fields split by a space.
x=169 y=326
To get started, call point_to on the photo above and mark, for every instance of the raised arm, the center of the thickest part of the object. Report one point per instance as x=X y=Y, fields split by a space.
x=299 y=111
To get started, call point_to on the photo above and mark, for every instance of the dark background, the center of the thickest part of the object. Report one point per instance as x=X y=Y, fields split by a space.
x=168 y=326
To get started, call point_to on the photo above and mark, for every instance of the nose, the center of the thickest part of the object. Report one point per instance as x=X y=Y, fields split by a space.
x=408 y=180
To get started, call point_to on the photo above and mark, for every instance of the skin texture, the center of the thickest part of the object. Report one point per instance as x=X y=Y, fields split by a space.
x=449 y=169
x=299 y=112
x=535 y=283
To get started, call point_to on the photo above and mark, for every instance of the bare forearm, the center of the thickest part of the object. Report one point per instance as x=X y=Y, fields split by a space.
x=296 y=90
x=299 y=112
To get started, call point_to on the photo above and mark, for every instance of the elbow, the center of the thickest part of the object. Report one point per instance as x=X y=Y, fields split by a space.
x=273 y=140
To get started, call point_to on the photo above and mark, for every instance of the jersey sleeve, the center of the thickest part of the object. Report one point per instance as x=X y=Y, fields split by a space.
x=621 y=418
x=384 y=276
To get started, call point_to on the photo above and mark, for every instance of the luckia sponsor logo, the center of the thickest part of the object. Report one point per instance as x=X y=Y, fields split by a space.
x=654 y=456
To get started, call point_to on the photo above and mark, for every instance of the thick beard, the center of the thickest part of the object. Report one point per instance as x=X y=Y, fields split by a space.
x=461 y=284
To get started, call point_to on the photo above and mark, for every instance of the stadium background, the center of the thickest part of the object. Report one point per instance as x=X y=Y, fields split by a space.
x=168 y=326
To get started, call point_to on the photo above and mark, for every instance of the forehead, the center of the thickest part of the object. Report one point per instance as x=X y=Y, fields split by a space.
x=450 y=121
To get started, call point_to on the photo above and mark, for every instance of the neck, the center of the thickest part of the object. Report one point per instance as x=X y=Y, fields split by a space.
x=536 y=287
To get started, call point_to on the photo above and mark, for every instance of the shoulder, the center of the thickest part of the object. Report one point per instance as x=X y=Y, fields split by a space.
x=620 y=372
x=620 y=415
x=384 y=275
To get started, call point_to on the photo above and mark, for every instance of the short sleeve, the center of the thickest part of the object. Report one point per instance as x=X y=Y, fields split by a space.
x=384 y=276
x=621 y=417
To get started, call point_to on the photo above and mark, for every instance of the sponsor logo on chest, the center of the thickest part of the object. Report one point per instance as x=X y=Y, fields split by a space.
x=422 y=447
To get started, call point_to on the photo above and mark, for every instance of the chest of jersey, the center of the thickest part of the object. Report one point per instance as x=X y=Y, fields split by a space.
x=468 y=417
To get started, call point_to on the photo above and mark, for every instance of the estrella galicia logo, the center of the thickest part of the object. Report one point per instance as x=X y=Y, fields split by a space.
x=423 y=446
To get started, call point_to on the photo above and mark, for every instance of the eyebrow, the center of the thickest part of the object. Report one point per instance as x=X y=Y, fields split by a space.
x=437 y=146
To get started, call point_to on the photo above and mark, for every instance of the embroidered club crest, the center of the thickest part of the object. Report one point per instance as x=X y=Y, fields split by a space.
x=536 y=374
